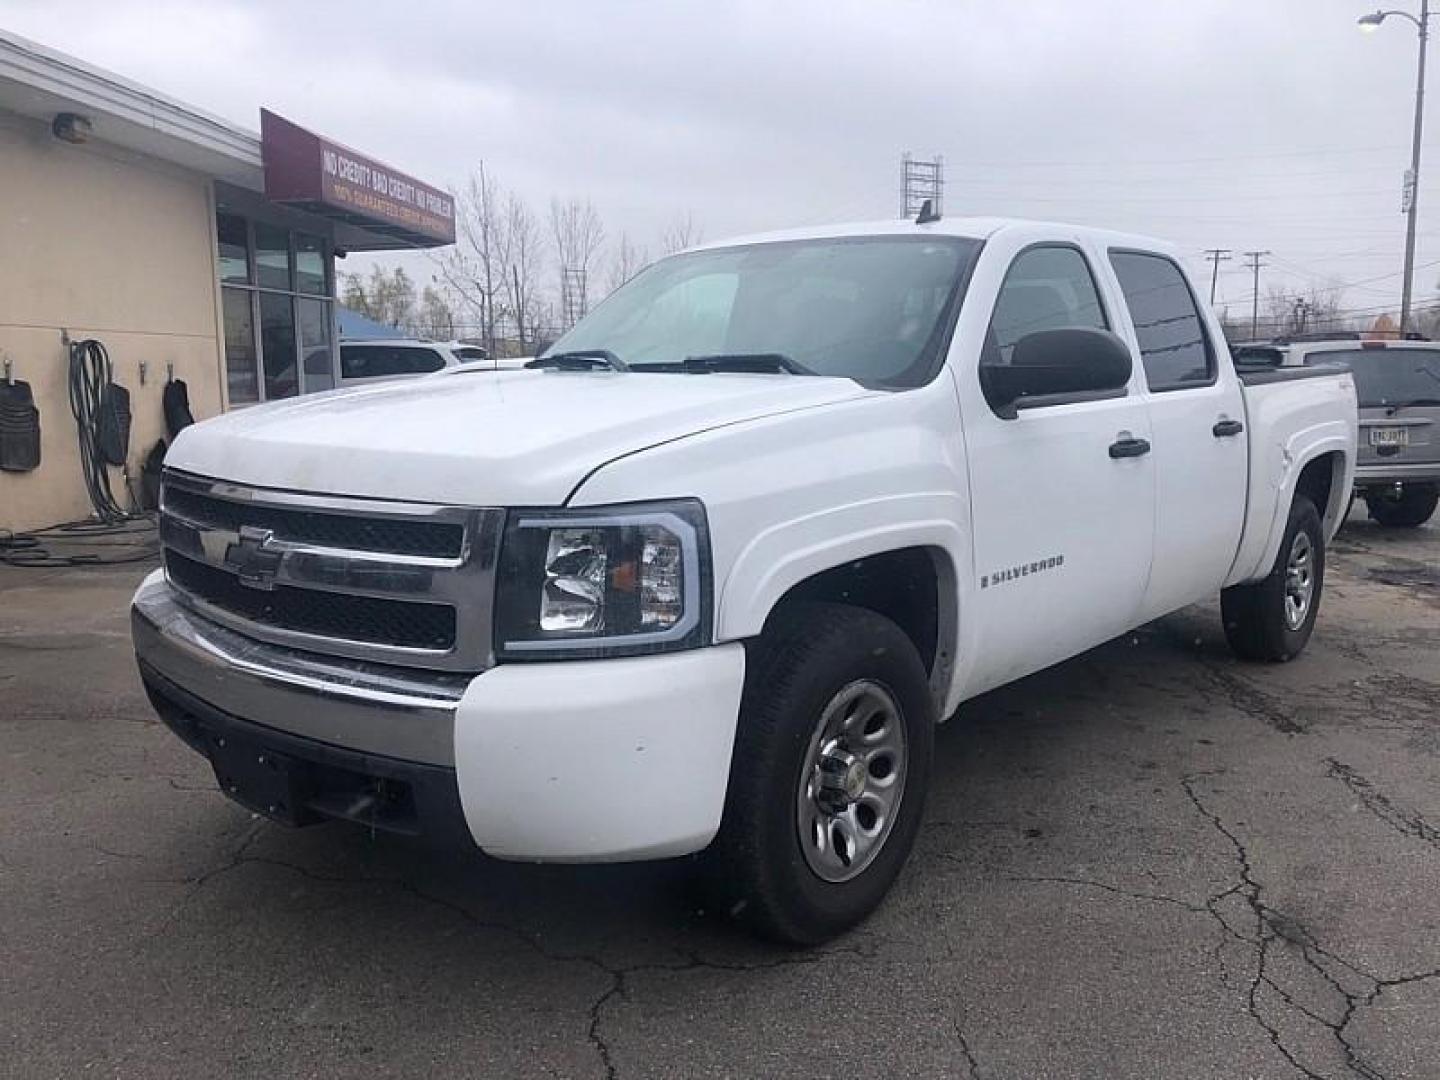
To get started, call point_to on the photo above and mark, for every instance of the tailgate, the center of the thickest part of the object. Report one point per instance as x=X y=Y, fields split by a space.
x=1406 y=437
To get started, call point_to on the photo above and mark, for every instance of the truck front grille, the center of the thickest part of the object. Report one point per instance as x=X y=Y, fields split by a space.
x=441 y=540
x=398 y=583
x=309 y=611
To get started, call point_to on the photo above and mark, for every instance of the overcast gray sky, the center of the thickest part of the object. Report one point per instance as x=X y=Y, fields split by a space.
x=1244 y=124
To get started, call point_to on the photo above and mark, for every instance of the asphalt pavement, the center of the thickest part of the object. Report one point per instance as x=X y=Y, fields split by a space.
x=1152 y=861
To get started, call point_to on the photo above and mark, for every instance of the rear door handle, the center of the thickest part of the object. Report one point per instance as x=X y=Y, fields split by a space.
x=1129 y=447
x=1224 y=429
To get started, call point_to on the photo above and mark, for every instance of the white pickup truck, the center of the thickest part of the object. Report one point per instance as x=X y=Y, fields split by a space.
x=707 y=580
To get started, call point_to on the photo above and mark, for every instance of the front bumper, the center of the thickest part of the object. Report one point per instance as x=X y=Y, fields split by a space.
x=584 y=761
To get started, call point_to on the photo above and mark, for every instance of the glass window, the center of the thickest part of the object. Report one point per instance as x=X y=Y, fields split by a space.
x=380 y=361
x=292 y=348
x=234 y=245
x=870 y=308
x=272 y=256
x=470 y=354
x=1173 y=344
x=315 y=344
x=1389 y=376
x=277 y=345
x=310 y=260
x=1046 y=288
x=241 y=382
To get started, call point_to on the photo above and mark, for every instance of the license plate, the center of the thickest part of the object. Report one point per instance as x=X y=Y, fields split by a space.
x=1389 y=436
x=258 y=778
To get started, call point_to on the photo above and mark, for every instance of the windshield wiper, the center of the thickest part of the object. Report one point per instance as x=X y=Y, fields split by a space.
x=766 y=363
x=580 y=360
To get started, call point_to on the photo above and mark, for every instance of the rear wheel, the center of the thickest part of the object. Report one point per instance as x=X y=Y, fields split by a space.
x=1412 y=505
x=1272 y=619
x=828 y=780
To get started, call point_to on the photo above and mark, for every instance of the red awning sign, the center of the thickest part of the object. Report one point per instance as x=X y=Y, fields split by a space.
x=324 y=177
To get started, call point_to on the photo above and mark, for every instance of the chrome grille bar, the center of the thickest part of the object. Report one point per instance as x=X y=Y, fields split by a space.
x=266 y=539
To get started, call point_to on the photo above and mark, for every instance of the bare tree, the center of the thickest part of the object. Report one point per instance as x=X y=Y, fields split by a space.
x=1317 y=310
x=475 y=268
x=577 y=233
x=523 y=249
x=434 y=318
x=627 y=261
x=680 y=234
x=387 y=296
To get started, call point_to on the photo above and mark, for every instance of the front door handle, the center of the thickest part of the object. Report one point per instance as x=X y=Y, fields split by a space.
x=1224 y=429
x=1129 y=447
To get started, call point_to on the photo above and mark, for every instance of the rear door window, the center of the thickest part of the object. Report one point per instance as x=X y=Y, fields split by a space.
x=382 y=361
x=1174 y=347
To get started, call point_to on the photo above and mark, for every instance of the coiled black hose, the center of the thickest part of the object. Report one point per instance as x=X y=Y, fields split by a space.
x=90 y=373
x=119 y=536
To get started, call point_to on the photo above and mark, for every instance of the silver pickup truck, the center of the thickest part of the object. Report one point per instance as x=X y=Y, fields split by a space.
x=1397 y=469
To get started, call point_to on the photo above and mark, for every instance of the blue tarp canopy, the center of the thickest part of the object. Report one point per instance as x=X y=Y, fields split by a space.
x=356 y=327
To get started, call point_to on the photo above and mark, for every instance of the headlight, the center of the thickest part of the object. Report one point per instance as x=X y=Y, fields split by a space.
x=603 y=582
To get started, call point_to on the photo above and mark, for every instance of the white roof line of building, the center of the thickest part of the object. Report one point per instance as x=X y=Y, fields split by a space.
x=96 y=90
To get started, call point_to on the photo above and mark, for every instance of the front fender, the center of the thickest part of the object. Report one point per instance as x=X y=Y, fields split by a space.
x=789 y=497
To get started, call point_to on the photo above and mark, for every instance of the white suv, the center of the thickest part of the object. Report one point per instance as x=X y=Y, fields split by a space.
x=382 y=359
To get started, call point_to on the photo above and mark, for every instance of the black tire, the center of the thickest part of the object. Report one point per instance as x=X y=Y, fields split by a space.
x=1256 y=623
x=756 y=870
x=1413 y=506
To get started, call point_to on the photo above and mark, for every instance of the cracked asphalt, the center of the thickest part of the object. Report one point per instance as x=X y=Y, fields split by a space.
x=1152 y=861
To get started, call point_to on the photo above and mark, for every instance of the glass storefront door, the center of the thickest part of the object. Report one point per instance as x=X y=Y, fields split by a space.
x=278 y=301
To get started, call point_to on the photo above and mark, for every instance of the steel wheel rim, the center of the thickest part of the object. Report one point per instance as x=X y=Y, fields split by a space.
x=1299 y=580
x=851 y=781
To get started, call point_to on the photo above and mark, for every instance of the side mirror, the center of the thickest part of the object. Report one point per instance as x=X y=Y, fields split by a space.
x=1051 y=363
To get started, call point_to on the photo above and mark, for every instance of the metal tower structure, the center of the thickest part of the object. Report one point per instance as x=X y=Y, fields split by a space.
x=921 y=180
x=572 y=295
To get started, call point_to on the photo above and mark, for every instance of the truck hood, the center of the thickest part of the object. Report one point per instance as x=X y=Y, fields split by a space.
x=481 y=438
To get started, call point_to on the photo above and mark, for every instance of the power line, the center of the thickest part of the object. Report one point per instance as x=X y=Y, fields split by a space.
x=1111 y=164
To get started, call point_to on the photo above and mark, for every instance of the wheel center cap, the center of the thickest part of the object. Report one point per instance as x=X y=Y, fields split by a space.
x=841 y=778
x=855 y=780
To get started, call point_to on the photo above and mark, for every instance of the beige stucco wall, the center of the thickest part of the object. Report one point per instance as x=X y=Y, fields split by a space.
x=110 y=245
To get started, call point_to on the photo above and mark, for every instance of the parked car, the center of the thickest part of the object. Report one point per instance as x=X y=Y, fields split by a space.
x=367 y=362
x=1397 y=471
x=707 y=578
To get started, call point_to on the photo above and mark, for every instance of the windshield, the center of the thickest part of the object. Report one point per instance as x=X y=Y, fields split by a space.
x=1388 y=376
x=870 y=309
x=470 y=355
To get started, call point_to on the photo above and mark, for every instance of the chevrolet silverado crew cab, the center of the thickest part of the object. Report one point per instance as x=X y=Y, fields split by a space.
x=706 y=576
x=1397 y=468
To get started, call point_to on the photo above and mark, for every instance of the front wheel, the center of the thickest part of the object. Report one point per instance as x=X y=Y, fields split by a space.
x=1412 y=505
x=828 y=779
x=1272 y=619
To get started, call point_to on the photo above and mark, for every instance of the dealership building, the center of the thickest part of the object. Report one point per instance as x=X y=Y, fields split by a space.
x=192 y=249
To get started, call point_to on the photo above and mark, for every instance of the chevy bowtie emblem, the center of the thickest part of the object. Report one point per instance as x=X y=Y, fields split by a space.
x=251 y=558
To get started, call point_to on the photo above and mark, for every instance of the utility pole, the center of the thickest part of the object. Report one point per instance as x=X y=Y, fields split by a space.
x=1414 y=177
x=1254 y=267
x=1410 y=197
x=1216 y=257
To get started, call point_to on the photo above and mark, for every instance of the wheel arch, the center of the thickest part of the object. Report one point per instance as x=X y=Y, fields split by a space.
x=907 y=577
x=1321 y=458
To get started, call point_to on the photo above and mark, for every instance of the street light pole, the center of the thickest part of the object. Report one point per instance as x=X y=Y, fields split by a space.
x=1414 y=173
x=1412 y=186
